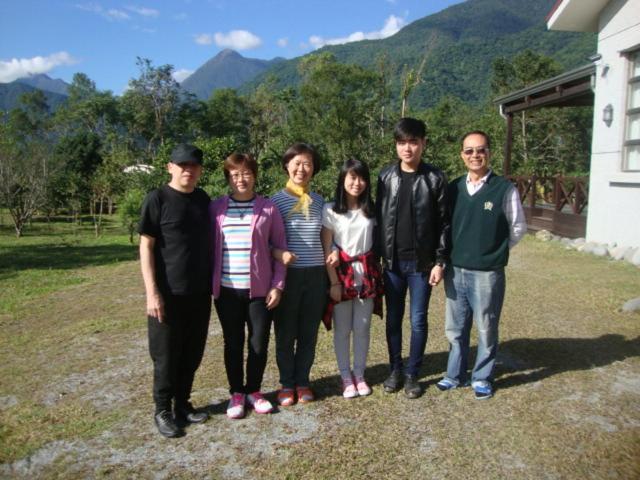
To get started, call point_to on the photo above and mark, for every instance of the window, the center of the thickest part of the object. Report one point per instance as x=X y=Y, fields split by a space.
x=632 y=138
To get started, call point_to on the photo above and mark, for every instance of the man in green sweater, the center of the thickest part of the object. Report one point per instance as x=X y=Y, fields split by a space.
x=487 y=221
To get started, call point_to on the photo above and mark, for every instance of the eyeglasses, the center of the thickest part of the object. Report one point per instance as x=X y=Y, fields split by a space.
x=479 y=150
x=305 y=165
x=244 y=175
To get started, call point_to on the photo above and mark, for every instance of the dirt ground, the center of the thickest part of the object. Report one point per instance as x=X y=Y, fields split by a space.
x=75 y=386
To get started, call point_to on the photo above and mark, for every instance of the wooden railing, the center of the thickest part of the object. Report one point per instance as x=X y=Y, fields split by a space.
x=556 y=191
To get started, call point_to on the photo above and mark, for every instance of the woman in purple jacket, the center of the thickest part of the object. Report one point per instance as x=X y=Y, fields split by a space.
x=247 y=281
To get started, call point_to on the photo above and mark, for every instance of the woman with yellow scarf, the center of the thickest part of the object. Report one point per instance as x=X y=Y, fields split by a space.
x=298 y=316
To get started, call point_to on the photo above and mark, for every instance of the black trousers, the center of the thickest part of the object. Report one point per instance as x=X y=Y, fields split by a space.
x=176 y=346
x=235 y=310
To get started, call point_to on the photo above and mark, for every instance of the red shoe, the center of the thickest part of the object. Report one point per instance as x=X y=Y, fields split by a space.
x=286 y=397
x=305 y=395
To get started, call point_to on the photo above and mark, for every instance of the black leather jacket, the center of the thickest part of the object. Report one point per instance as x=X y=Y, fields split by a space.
x=431 y=221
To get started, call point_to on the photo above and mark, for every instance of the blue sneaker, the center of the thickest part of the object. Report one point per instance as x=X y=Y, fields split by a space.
x=447 y=384
x=483 y=390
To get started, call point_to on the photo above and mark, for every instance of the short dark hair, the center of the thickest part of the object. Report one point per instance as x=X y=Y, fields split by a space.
x=300 y=148
x=476 y=132
x=237 y=160
x=361 y=169
x=408 y=128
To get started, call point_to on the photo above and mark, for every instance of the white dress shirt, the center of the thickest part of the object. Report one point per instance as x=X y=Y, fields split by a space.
x=511 y=205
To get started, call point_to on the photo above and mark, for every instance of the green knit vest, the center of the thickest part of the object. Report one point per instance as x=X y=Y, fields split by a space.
x=479 y=227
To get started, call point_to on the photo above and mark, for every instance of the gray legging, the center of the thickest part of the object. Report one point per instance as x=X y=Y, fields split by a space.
x=352 y=316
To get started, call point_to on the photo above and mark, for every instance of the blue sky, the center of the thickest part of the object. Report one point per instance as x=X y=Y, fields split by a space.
x=103 y=38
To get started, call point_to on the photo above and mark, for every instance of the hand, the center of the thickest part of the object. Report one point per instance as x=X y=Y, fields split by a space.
x=155 y=306
x=333 y=259
x=436 y=275
x=335 y=292
x=288 y=257
x=273 y=298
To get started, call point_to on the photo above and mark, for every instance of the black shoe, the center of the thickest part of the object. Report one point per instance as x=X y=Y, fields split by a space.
x=167 y=425
x=393 y=383
x=412 y=388
x=191 y=415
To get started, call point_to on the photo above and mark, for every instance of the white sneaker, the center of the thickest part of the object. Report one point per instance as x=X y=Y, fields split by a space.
x=235 y=409
x=259 y=403
x=349 y=389
x=362 y=387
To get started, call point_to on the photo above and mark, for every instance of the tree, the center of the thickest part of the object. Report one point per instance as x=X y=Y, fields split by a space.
x=151 y=103
x=24 y=177
x=338 y=107
x=227 y=114
x=546 y=141
x=87 y=109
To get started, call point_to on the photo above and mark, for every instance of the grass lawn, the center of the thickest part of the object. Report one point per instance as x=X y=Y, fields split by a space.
x=75 y=381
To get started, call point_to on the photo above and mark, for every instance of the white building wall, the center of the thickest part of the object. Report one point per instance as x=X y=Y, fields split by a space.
x=614 y=195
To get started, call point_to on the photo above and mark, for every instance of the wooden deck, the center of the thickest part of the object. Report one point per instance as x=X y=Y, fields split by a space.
x=559 y=223
x=556 y=204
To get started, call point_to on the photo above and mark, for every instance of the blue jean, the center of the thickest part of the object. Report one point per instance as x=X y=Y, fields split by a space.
x=396 y=281
x=472 y=296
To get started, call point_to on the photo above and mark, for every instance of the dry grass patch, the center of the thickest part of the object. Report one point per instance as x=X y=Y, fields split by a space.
x=75 y=382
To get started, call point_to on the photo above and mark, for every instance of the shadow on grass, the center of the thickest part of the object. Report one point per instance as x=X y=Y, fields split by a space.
x=44 y=257
x=545 y=357
x=520 y=361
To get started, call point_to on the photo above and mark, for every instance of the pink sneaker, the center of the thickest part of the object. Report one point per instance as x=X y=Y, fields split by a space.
x=235 y=409
x=362 y=387
x=259 y=403
x=348 y=388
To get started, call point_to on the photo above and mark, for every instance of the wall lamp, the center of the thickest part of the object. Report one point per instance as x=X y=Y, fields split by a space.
x=607 y=115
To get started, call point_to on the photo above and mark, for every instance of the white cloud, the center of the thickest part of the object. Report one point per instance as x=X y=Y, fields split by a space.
x=283 y=42
x=181 y=75
x=237 y=39
x=143 y=11
x=391 y=26
x=115 y=14
x=23 y=67
x=111 y=14
x=203 y=39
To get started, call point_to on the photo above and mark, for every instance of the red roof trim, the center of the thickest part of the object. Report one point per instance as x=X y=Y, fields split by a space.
x=553 y=9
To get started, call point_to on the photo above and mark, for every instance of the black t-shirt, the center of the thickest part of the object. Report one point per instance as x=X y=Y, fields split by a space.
x=180 y=224
x=405 y=248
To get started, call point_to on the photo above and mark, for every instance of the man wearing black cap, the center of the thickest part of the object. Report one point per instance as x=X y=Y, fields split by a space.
x=176 y=268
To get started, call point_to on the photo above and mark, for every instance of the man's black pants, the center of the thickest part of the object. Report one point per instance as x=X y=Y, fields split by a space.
x=176 y=346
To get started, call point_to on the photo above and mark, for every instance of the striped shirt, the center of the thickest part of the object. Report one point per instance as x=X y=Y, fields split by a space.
x=236 y=244
x=303 y=236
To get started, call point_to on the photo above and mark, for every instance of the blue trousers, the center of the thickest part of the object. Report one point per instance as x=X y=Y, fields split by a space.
x=472 y=296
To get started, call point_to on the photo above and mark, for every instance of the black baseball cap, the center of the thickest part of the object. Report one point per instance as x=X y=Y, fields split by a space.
x=184 y=153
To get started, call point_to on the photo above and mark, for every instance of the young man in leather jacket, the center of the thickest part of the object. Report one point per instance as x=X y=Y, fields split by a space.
x=412 y=240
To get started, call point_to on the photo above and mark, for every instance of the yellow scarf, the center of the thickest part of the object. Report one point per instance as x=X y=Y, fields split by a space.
x=304 y=199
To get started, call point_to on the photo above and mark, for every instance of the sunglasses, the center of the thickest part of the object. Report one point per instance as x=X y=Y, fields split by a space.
x=478 y=150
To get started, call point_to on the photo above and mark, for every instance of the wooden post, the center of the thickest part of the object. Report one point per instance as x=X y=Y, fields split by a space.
x=506 y=165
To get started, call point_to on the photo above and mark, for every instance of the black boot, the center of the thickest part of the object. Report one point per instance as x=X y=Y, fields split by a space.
x=189 y=414
x=167 y=425
x=412 y=388
x=393 y=382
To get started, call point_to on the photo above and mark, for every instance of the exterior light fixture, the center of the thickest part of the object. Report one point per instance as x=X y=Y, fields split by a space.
x=607 y=115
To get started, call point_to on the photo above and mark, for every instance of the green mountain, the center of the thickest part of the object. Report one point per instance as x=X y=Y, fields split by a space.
x=458 y=46
x=228 y=69
x=46 y=83
x=10 y=95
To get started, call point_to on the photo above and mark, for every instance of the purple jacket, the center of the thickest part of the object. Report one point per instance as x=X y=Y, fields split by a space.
x=267 y=231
